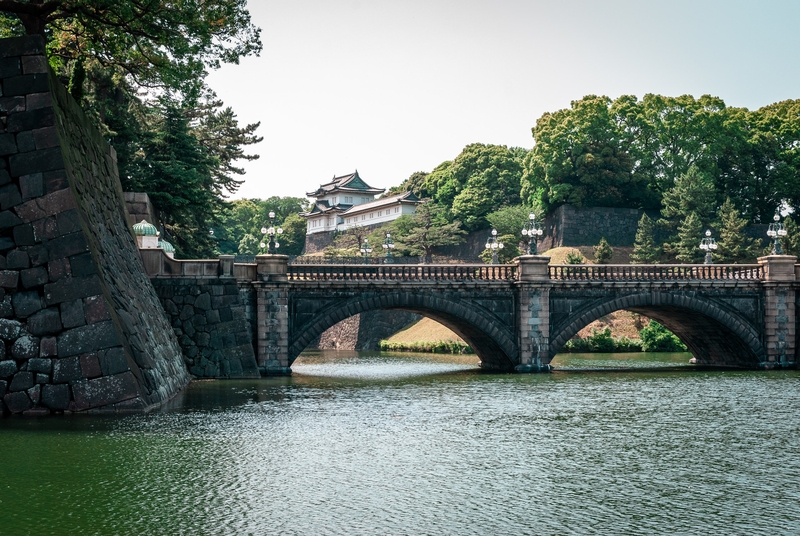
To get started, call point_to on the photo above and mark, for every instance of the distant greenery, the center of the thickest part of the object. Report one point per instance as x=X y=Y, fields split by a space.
x=241 y=221
x=435 y=347
x=657 y=338
x=602 y=341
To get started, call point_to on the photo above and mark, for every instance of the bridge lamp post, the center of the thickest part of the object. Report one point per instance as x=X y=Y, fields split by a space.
x=271 y=231
x=532 y=230
x=494 y=244
x=366 y=250
x=388 y=245
x=708 y=245
x=776 y=231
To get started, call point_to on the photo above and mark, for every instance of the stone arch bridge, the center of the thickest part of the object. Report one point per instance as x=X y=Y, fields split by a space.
x=516 y=316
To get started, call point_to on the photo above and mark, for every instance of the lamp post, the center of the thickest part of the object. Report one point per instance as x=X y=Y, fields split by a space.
x=776 y=231
x=271 y=231
x=532 y=230
x=366 y=250
x=494 y=244
x=708 y=245
x=388 y=245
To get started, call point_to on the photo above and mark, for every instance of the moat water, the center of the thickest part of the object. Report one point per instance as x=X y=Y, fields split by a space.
x=399 y=444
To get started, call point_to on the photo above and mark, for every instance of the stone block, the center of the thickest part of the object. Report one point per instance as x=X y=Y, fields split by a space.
x=17 y=402
x=8 y=368
x=25 y=142
x=35 y=394
x=12 y=105
x=105 y=390
x=31 y=185
x=34 y=277
x=45 y=322
x=24 y=236
x=28 y=45
x=8 y=144
x=6 y=243
x=72 y=315
x=42 y=365
x=26 y=83
x=10 y=67
x=22 y=381
x=58 y=269
x=87 y=339
x=34 y=64
x=34 y=101
x=24 y=348
x=71 y=288
x=67 y=370
x=10 y=330
x=90 y=366
x=55 y=181
x=26 y=303
x=68 y=221
x=50 y=204
x=17 y=259
x=203 y=302
x=113 y=361
x=48 y=347
x=56 y=397
x=67 y=246
x=9 y=196
x=82 y=265
x=9 y=278
x=95 y=310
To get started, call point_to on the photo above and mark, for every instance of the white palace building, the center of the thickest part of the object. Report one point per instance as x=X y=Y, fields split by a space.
x=348 y=201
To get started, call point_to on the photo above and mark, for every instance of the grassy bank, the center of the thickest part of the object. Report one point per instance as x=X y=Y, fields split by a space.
x=426 y=335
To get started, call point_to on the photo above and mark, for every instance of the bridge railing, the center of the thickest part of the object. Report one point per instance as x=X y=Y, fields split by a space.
x=402 y=272
x=655 y=272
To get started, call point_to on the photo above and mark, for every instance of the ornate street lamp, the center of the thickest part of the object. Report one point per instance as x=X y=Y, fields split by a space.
x=776 y=231
x=271 y=231
x=388 y=245
x=532 y=230
x=366 y=250
x=494 y=244
x=708 y=245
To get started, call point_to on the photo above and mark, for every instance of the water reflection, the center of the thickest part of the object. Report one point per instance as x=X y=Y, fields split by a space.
x=405 y=445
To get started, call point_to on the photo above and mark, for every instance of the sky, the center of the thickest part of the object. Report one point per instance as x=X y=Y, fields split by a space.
x=393 y=87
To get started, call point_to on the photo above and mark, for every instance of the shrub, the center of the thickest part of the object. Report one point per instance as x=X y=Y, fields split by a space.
x=603 y=252
x=574 y=257
x=657 y=338
x=602 y=341
x=433 y=347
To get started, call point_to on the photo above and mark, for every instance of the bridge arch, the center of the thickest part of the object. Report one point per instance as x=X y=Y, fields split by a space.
x=493 y=343
x=714 y=333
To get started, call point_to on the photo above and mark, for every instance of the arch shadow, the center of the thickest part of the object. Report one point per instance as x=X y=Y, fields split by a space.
x=493 y=343
x=714 y=334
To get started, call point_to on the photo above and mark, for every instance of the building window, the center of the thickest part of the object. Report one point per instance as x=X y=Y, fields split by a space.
x=396 y=210
x=371 y=214
x=363 y=217
x=380 y=213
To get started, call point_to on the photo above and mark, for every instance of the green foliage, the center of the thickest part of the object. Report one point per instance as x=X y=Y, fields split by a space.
x=575 y=257
x=248 y=245
x=426 y=229
x=657 y=338
x=414 y=184
x=293 y=239
x=158 y=43
x=733 y=245
x=509 y=251
x=645 y=250
x=347 y=243
x=435 y=347
x=603 y=252
x=693 y=193
x=602 y=341
x=482 y=179
x=791 y=242
x=686 y=246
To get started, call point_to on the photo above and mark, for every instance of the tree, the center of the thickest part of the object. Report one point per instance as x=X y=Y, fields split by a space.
x=686 y=247
x=167 y=44
x=509 y=251
x=734 y=246
x=429 y=228
x=482 y=178
x=293 y=239
x=693 y=193
x=603 y=252
x=645 y=250
x=657 y=338
x=791 y=242
x=574 y=257
x=249 y=245
x=579 y=158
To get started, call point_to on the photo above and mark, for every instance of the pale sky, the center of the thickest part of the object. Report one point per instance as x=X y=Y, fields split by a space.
x=394 y=87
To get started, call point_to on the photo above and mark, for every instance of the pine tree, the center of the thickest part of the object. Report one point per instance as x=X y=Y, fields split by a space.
x=733 y=245
x=603 y=252
x=686 y=247
x=645 y=250
x=574 y=257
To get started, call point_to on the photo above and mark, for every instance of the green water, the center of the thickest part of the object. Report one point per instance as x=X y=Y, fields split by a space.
x=399 y=444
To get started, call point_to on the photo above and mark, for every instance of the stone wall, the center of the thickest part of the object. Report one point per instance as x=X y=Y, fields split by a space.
x=210 y=319
x=138 y=207
x=82 y=328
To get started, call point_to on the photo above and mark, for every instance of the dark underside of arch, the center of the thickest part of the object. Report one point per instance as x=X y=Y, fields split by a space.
x=728 y=341
x=493 y=343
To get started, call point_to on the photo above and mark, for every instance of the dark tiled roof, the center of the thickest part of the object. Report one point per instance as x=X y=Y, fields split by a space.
x=348 y=182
